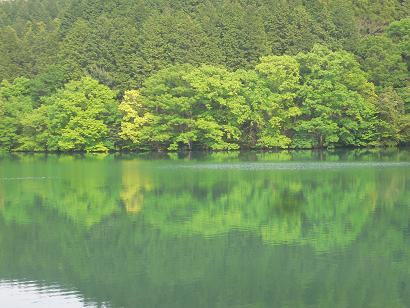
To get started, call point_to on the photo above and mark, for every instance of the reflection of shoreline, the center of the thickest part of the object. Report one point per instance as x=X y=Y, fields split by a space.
x=22 y=294
x=401 y=154
x=292 y=165
x=282 y=207
x=324 y=210
x=29 y=178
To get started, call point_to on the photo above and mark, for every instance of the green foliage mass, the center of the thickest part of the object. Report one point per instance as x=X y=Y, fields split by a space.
x=316 y=99
x=217 y=75
x=337 y=101
x=15 y=104
x=79 y=117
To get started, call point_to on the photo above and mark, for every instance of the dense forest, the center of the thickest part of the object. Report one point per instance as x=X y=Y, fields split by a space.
x=107 y=75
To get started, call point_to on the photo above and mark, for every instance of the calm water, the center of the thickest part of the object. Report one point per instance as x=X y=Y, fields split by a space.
x=299 y=229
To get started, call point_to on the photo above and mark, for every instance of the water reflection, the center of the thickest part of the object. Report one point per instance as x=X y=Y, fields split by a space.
x=20 y=294
x=171 y=231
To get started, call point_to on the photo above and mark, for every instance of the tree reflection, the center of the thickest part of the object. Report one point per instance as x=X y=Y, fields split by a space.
x=120 y=229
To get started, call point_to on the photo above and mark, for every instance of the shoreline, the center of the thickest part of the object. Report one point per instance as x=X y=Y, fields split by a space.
x=332 y=149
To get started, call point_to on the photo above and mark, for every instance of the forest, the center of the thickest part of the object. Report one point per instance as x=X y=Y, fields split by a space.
x=219 y=75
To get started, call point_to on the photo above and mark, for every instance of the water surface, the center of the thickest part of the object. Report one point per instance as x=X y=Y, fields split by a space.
x=297 y=229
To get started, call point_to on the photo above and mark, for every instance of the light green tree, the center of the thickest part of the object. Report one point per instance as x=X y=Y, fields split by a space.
x=270 y=93
x=15 y=103
x=336 y=100
x=183 y=107
x=82 y=117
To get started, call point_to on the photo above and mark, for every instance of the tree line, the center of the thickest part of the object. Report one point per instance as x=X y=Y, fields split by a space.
x=219 y=75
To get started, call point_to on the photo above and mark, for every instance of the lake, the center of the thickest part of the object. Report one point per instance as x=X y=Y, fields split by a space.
x=287 y=229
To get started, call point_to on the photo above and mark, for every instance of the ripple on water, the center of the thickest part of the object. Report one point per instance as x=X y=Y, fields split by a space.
x=27 y=178
x=291 y=165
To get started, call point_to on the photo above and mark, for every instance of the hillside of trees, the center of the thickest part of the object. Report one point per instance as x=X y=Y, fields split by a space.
x=109 y=75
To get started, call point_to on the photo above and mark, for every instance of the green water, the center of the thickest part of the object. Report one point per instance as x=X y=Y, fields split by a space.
x=299 y=229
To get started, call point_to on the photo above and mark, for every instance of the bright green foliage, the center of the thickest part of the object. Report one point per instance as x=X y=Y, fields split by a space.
x=136 y=124
x=81 y=117
x=35 y=133
x=15 y=103
x=336 y=101
x=163 y=117
x=219 y=107
x=211 y=108
x=270 y=92
x=182 y=106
